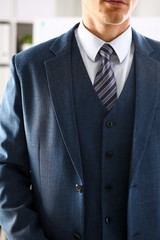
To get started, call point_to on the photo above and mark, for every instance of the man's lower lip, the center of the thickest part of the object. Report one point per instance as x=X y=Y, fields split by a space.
x=116 y=3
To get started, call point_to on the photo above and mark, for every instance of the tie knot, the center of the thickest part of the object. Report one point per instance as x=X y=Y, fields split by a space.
x=106 y=51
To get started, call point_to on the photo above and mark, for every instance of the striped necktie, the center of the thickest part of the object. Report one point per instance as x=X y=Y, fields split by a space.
x=105 y=84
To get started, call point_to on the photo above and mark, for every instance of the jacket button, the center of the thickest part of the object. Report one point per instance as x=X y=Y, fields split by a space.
x=78 y=188
x=109 y=154
x=108 y=220
x=109 y=124
x=108 y=187
x=77 y=236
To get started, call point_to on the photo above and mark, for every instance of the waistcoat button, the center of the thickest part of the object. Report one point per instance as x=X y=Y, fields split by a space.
x=77 y=236
x=109 y=154
x=78 y=188
x=108 y=220
x=109 y=124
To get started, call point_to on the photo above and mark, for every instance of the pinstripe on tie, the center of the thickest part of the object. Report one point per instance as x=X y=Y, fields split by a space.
x=105 y=84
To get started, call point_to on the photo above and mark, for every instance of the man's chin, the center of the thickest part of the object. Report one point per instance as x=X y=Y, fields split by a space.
x=117 y=21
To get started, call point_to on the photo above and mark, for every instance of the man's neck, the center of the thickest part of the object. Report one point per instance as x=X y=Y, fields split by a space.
x=106 y=32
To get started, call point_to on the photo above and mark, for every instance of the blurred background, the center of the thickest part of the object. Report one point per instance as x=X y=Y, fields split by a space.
x=24 y=23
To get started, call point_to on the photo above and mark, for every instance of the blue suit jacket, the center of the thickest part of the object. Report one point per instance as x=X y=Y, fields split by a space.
x=39 y=146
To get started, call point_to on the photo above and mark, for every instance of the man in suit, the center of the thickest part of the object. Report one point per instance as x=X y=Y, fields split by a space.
x=80 y=133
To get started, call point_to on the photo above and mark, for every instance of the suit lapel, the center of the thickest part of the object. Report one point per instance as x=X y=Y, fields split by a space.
x=147 y=89
x=59 y=77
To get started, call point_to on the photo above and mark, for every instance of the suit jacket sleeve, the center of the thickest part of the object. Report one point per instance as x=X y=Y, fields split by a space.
x=17 y=213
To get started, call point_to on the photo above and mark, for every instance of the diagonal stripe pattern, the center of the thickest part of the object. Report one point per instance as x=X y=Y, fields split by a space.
x=105 y=84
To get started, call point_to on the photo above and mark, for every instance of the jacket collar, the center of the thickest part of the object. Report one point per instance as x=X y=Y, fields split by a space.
x=63 y=42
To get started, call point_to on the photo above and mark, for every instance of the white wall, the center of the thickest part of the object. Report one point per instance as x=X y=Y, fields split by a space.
x=147 y=8
x=147 y=26
x=68 y=8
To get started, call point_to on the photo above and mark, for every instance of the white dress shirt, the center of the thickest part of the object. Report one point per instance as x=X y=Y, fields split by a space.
x=89 y=46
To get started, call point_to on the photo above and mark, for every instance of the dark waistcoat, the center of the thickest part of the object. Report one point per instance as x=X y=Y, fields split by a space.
x=105 y=142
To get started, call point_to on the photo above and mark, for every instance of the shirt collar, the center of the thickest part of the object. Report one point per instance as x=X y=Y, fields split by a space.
x=92 y=44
